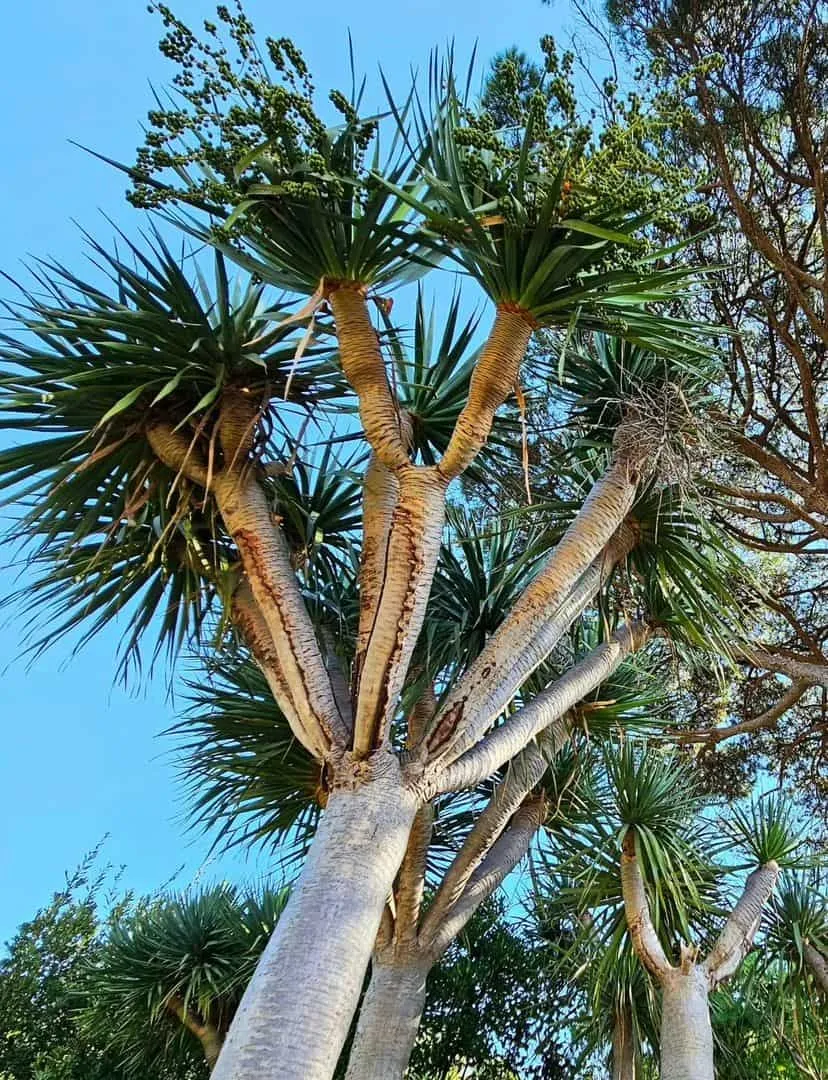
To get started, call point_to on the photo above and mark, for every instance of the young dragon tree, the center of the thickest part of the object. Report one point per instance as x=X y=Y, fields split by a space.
x=163 y=419
x=686 y=1037
x=168 y=977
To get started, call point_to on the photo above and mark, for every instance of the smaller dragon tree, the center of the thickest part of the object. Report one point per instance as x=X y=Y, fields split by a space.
x=656 y=905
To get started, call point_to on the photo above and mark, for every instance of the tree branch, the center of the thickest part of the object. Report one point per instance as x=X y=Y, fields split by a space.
x=768 y=719
x=411 y=878
x=504 y=856
x=266 y=560
x=524 y=773
x=413 y=550
x=502 y=744
x=493 y=380
x=798 y=669
x=740 y=929
x=644 y=938
x=249 y=621
x=540 y=617
x=818 y=965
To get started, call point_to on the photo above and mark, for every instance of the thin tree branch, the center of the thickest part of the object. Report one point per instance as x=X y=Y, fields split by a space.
x=524 y=773
x=504 y=856
x=249 y=621
x=768 y=719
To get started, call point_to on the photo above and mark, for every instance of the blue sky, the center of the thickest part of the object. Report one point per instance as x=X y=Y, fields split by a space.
x=80 y=756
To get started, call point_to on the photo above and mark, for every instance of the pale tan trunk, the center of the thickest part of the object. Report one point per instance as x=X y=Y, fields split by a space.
x=735 y=940
x=502 y=744
x=493 y=380
x=686 y=1034
x=295 y=1013
x=573 y=574
x=380 y=492
x=413 y=549
x=364 y=368
x=249 y=621
x=524 y=773
x=266 y=559
x=389 y=1020
x=623 y=1047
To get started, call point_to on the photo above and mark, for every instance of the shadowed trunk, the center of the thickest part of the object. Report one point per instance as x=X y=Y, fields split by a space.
x=818 y=965
x=623 y=1049
x=294 y=1027
x=686 y=1035
x=389 y=1019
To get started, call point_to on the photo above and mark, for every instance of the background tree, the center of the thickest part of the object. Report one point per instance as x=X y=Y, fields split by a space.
x=42 y=984
x=739 y=90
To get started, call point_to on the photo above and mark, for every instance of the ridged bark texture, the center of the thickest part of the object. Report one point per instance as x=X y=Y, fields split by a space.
x=413 y=551
x=644 y=938
x=494 y=379
x=248 y=620
x=266 y=560
x=623 y=1048
x=295 y=1013
x=735 y=940
x=389 y=1020
x=571 y=577
x=505 y=854
x=502 y=744
x=364 y=368
x=524 y=773
x=686 y=1035
x=380 y=492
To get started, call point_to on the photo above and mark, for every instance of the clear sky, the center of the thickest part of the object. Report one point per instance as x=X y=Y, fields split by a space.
x=80 y=757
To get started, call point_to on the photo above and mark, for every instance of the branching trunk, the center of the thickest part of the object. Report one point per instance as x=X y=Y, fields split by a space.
x=502 y=744
x=686 y=1035
x=389 y=1018
x=504 y=856
x=364 y=368
x=266 y=561
x=524 y=773
x=391 y=1012
x=413 y=551
x=639 y=922
x=295 y=1013
x=250 y=623
x=735 y=940
x=572 y=576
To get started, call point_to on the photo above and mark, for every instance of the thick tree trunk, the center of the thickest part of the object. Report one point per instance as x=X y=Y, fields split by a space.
x=623 y=1050
x=294 y=1016
x=686 y=1035
x=389 y=1020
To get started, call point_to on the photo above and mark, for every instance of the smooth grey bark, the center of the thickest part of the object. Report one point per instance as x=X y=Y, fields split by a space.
x=295 y=1013
x=686 y=1035
x=389 y=1020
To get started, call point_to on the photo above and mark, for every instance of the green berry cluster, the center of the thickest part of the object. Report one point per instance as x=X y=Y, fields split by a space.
x=242 y=115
